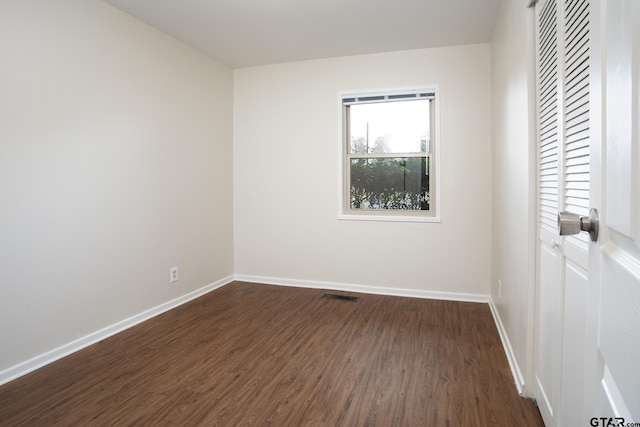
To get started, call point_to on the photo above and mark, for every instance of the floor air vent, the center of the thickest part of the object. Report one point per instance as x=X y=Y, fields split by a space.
x=340 y=297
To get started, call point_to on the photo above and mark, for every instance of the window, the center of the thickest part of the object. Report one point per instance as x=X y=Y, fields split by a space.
x=388 y=152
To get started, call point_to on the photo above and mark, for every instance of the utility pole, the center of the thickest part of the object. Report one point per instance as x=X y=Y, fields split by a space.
x=367 y=137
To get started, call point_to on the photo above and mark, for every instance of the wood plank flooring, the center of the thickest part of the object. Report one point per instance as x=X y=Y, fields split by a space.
x=257 y=355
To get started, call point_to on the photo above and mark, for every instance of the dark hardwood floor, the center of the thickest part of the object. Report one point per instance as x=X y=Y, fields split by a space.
x=249 y=354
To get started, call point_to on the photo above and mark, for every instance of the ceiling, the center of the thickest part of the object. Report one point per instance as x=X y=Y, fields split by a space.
x=243 y=33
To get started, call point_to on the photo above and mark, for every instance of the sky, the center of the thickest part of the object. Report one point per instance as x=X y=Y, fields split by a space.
x=404 y=123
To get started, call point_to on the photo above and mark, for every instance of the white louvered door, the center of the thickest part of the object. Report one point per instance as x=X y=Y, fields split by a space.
x=563 y=83
x=548 y=312
x=575 y=181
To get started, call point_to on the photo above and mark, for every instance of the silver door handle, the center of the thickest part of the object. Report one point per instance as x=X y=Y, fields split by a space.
x=570 y=223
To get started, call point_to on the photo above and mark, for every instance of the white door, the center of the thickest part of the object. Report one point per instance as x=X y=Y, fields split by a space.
x=613 y=370
x=587 y=341
x=563 y=108
x=548 y=304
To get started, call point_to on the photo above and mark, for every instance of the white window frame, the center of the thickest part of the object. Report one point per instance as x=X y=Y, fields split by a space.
x=433 y=214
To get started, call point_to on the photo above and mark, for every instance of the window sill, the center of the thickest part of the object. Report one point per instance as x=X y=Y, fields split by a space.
x=389 y=218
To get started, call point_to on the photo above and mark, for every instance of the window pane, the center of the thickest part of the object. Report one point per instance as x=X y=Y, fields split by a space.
x=390 y=127
x=400 y=183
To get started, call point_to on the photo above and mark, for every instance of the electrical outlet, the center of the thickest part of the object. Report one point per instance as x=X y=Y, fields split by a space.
x=173 y=275
x=499 y=288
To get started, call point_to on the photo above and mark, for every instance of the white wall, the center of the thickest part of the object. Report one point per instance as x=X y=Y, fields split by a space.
x=513 y=211
x=286 y=171
x=115 y=164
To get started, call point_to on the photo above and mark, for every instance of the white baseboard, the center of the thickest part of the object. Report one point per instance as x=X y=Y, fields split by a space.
x=365 y=289
x=518 y=378
x=94 y=337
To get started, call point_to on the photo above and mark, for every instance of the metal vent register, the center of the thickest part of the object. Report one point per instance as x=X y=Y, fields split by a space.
x=340 y=297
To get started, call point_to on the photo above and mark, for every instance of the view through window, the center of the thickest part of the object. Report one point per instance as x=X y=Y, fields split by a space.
x=389 y=145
